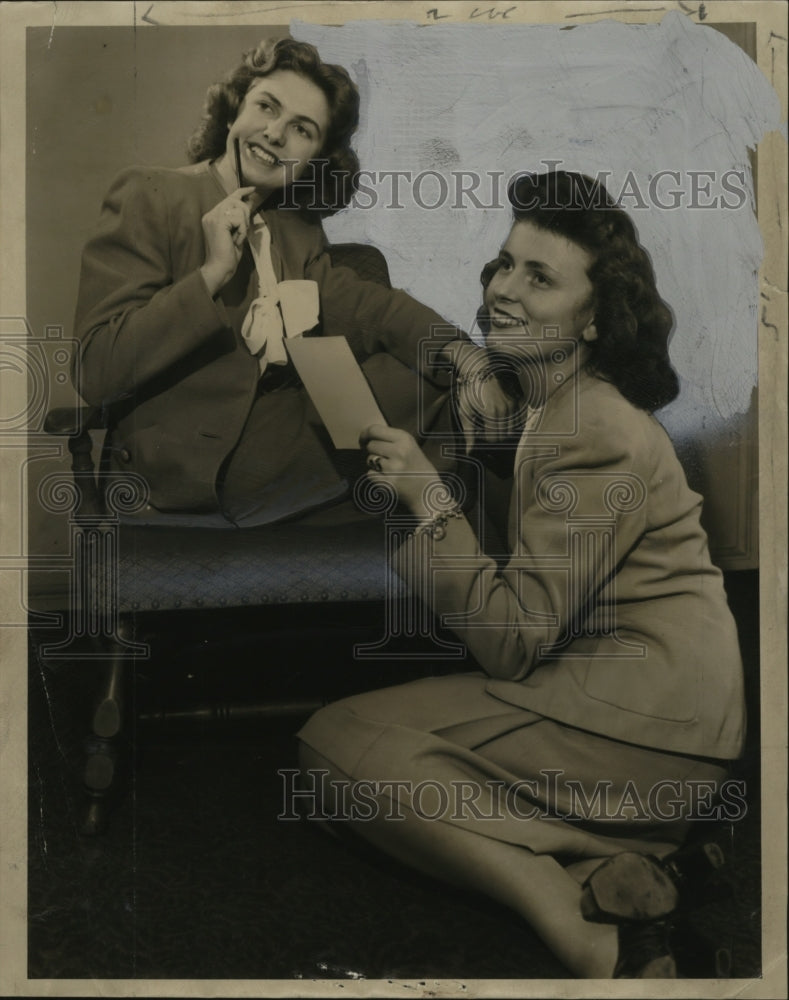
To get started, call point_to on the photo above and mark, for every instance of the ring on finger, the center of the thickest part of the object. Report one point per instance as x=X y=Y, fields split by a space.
x=374 y=461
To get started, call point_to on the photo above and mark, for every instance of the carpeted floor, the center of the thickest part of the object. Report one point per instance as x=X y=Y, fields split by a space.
x=197 y=877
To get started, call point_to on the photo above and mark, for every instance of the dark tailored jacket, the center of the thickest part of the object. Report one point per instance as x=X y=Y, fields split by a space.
x=168 y=361
x=607 y=613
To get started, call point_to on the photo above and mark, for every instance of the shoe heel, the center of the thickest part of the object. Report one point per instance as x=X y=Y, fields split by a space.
x=698 y=874
x=645 y=952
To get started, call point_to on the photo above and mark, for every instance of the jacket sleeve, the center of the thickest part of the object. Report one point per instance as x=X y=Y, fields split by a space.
x=585 y=510
x=133 y=319
x=374 y=318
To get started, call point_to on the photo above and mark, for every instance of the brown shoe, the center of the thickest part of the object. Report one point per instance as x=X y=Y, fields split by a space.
x=645 y=952
x=640 y=887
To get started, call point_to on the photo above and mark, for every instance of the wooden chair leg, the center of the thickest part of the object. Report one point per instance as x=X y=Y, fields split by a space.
x=102 y=747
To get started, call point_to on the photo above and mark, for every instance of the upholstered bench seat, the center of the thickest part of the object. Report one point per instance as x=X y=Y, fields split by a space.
x=289 y=563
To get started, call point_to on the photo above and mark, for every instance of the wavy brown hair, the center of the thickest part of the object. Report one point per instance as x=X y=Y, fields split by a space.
x=633 y=322
x=331 y=180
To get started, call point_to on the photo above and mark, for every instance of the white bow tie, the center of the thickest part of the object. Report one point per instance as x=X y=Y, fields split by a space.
x=262 y=329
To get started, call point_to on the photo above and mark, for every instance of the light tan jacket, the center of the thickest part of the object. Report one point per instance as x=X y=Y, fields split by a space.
x=608 y=614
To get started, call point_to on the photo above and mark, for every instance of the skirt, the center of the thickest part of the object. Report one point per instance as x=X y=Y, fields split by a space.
x=444 y=749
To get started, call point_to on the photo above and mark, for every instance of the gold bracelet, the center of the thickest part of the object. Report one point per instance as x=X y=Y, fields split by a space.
x=436 y=524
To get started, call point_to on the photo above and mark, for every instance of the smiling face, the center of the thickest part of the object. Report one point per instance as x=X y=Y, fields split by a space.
x=541 y=284
x=281 y=125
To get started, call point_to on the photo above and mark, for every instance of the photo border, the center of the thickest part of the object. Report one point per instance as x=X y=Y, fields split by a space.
x=770 y=19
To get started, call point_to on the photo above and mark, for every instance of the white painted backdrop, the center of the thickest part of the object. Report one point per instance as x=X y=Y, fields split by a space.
x=625 y=99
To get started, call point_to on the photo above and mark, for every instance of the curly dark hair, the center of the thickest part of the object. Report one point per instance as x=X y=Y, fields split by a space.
x=332 y=179
x=633 y=322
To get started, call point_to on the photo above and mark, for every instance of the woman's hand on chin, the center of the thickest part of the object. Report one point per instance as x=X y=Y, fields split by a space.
x=225 y=229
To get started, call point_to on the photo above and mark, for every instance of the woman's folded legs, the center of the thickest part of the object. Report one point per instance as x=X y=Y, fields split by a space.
x=457 y=784
x=534 y=886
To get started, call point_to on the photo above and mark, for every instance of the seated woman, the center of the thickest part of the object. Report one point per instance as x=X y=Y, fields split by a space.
x=564 y=777
x=196 y=274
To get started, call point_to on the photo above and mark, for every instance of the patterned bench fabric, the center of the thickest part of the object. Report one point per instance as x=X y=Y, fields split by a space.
x=173 y=568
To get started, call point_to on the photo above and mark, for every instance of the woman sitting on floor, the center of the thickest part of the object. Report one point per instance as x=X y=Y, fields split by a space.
x=563 y=778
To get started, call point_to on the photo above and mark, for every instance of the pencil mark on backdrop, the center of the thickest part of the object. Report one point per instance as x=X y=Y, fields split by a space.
x=489 y=13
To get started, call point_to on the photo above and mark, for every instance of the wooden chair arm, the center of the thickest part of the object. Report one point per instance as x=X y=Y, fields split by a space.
x=75 y=423
x=71 y=421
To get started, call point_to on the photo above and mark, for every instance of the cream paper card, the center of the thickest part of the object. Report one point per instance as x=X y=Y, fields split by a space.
x=337 y=387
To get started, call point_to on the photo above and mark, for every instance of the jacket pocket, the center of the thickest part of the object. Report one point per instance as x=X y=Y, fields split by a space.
x=648 y=684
